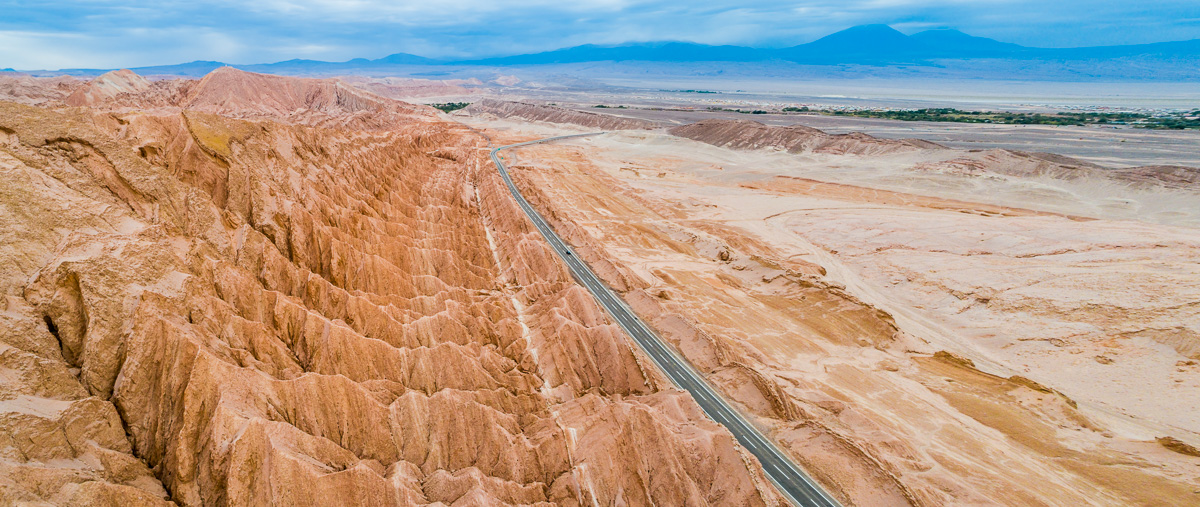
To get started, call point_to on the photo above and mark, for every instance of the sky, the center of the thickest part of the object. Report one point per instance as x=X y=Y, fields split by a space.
x=58 y=34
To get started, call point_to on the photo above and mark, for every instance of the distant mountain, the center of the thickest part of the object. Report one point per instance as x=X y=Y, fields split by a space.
x=648 y=52
x=949 y=41
x=866 y=45
x=287 y=67
x=861 y=39
x=1183 y=49
x=402 y=59
x=881 y=44
x=191 y=69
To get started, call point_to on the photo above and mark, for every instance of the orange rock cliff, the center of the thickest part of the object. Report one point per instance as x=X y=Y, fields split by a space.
x=253 y=290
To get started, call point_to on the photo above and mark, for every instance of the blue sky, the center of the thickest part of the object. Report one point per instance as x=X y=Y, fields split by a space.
x=90 y=33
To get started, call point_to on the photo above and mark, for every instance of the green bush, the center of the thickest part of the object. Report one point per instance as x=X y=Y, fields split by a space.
x=451 y=106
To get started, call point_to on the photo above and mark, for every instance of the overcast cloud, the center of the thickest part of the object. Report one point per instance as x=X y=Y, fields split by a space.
x=99 y=34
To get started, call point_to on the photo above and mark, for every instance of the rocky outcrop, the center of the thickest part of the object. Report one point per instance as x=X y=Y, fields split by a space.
x=748 y=135
x=341 y=305
x=231 y=93
x=1036 y=164
x=323 y=102
x=108 y=86
x=1167 y=176
x=408 y=88
x=1014 y=163
x=25 y=89
x=555 y=114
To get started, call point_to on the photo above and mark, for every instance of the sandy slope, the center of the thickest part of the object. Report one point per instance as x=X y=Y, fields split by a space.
x=909 y=345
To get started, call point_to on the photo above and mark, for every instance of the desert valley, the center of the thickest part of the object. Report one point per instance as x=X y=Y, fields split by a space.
x=250 y=289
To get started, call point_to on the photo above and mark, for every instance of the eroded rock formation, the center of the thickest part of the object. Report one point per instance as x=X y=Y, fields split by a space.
x=26 y=89
x=746 y=134
x=554 y=114
x=108 y=86
x=1026 y=164
x=286 y=291
x=905 y=348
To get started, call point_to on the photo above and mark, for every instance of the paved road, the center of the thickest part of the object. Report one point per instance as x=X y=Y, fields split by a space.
x=794 y=484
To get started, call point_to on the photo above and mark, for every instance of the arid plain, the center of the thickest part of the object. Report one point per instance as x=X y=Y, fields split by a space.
x=248 y=289
x=918 y=324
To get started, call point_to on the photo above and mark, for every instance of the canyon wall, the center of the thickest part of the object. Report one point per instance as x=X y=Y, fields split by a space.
x=282 y=291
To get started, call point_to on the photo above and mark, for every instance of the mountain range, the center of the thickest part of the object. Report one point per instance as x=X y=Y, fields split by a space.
x=869 y=45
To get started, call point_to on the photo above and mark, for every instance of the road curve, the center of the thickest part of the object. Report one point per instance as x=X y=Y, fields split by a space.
x=794 y=483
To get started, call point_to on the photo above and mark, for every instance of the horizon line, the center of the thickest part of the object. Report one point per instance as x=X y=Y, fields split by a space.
x=450 y=61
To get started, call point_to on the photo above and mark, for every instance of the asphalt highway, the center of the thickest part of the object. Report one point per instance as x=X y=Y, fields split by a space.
x=788 y=478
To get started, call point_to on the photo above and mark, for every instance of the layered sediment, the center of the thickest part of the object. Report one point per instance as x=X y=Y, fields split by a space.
x=905 y=348
x=108 y=86
x=554 y=114
x=1026 y=164
x=748 y=135
x=31 y=90
x=285 y=291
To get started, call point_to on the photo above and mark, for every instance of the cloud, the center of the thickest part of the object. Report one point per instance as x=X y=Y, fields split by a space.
x=88 y=33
